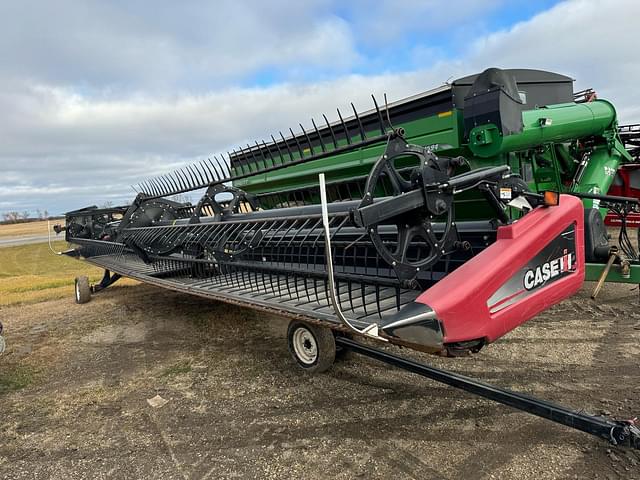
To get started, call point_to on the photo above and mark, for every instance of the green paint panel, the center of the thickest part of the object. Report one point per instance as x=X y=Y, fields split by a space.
x=444 y=128
x=594 y=270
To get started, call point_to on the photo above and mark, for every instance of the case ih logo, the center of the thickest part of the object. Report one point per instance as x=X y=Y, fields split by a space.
x=535 y=277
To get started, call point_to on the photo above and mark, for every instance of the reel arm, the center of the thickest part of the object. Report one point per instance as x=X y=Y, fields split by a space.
x=427 y=194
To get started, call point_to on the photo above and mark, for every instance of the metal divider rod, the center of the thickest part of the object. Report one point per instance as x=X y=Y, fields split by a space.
x=369 y=331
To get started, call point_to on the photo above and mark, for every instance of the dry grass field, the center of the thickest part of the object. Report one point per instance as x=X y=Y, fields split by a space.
x=32 y=273
x=24 y=229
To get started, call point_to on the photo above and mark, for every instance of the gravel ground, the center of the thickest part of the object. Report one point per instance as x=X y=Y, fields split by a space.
x=237 y=407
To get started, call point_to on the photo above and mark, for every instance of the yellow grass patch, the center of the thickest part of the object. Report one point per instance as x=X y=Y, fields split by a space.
x=31 y=273
x=26 y=229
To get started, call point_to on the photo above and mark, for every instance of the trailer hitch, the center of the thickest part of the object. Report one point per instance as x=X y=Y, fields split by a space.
x=617 y=432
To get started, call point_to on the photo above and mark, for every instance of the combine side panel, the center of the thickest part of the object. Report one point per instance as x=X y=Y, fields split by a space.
x=535 y=263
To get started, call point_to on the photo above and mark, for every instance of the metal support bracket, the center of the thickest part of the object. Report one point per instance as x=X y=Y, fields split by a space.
x=107 y=280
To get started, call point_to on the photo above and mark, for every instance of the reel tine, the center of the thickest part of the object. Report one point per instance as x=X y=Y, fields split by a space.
x=387 y=112
x=315 y=290
x=163 y=187
x=306 y=289
x=166 y=187
x=286 y=279
x=255 y=158
x=160 y=186
x=172 y=181
x=364 y=298
x=280 y=154
x=227 y=164
x=344 y=127
x=176 y=179
x=326 y=293
x=172 y=184
x=297 y=286
x=193 y=176
x=308 y=139
x=219 y=173
x=262 y=153
x=287 y=145
x=333 y=135
x=264 y=145
x=199 y=166
x=380 y=120
x=211 y=177
x=144 y=188
x=238 y=163
x=295 y=138
x=246 y=158
x=315 y=127
x=363 y=135
x=202 y=174
x=349 y=286
x=183 y=179
x=154 y=189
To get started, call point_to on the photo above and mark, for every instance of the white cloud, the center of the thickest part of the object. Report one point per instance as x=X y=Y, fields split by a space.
x=63 y=146
x=591 y=40
x=128 y=46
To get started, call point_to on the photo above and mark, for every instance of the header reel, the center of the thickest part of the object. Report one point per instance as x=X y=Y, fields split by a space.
x=420 y=210
x=406 y=218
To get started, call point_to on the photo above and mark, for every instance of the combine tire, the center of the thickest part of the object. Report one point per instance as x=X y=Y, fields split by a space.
x=312 y=347
x=82 y=290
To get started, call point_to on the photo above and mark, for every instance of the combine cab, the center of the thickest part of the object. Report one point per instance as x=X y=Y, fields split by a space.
x=439 y=222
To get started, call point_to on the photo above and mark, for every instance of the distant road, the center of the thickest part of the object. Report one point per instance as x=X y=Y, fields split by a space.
x=14 y=241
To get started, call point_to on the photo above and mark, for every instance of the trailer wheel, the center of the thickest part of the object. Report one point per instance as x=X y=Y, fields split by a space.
x=312 y=347
x=82 y=289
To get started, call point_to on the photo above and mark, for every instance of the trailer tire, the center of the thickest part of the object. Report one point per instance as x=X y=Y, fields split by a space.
x=312 y=347
x=82 y=289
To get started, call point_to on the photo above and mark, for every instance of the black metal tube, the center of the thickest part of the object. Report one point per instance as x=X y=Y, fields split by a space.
x=613 y=431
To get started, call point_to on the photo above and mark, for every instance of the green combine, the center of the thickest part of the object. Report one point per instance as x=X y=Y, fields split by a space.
x=529 y=120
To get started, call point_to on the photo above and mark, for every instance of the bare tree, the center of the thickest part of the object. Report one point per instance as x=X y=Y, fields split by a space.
x=25 y=215
x=181 y=198
x=107 y=204
x=11 y=217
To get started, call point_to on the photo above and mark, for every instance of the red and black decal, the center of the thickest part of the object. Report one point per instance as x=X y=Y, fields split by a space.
x=555 y=261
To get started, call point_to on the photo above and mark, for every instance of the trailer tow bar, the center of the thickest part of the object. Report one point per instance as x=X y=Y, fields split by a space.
x=623 y=433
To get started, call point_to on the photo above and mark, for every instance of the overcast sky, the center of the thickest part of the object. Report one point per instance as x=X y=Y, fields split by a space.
x=96 y=96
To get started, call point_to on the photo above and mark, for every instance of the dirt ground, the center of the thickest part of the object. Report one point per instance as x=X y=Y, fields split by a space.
x=77 y=379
